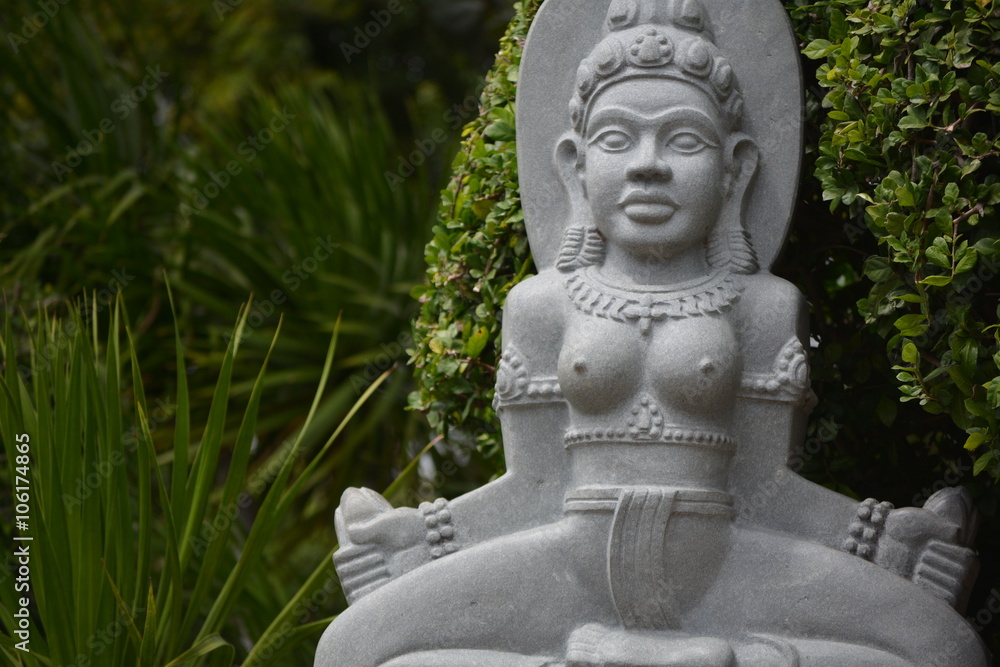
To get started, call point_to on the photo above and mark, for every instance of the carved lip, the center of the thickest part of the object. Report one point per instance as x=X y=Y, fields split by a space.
x=643 y=206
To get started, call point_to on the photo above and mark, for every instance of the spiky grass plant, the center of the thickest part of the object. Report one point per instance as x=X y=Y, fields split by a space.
x=146 y=550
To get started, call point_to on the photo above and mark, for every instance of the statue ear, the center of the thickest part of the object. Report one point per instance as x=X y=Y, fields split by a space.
x=729 y=244
x=570 y=163
x=743 y=157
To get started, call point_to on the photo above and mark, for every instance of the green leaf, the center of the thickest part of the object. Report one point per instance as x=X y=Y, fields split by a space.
x=939 y=253
x=910 y=354
x=974 y=441
x=477 y=342
x=904 y=196
x=887 y=411
x=911 y=325
x=500 y=131
x=982 y=462
x=967 y=262
x=912 y=122
x=819 y=48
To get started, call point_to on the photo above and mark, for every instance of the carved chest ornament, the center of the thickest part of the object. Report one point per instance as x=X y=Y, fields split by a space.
x=714 y=293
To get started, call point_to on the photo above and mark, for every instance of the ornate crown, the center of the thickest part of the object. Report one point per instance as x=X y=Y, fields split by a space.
x=667 y=38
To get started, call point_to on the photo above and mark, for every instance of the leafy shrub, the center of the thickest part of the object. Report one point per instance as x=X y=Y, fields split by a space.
x=910 y=145
x=478 y=253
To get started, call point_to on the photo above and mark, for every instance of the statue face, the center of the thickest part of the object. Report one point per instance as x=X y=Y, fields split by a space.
x=654 y=166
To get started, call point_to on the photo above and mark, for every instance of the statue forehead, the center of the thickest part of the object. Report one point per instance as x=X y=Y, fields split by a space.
x=649 y=97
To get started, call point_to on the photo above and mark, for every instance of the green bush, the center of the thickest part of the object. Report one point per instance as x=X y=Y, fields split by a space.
x=478 y=253
x=910 y=145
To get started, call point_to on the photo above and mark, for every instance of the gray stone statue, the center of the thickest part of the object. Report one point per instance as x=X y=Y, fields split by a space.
x=652 y=387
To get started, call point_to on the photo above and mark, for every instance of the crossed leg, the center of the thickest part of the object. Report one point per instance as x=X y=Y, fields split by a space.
x=773 y=584
x=521 y=593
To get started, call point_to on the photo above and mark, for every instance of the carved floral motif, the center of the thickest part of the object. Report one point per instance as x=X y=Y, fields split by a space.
x=788 y=382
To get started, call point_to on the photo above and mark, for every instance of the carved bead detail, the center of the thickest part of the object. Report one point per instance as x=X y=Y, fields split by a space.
x=652 y=49
x=639 y=433
x=586 y=79
x=440 y=533
x=622 y=14
x=698 y=60
x=866 y=529
x=722 y=78
x=691 y=15
x=609 y=57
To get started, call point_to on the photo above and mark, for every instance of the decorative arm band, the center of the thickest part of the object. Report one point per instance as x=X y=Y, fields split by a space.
x=788 y=382
x=516 y=387
x=440 y=531
x=867 y=528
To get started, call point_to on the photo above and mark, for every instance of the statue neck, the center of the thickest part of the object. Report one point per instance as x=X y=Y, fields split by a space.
x=627 y=269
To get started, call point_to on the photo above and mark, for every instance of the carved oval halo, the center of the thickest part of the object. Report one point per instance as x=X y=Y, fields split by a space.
x=757 y=38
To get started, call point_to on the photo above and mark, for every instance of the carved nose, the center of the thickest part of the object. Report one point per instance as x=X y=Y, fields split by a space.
x=649 y=167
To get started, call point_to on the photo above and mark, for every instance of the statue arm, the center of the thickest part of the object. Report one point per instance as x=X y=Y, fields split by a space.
x=532 y=415
x=771 y=420
x=929 y=546
x=380 y=543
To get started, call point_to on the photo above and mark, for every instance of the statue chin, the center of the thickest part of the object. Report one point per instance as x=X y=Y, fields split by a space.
x=652 y=386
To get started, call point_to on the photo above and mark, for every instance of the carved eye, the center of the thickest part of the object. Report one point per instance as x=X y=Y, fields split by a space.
x=613 y=140
x=688 y=142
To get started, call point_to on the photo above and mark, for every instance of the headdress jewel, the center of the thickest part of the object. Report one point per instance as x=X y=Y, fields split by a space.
x=668 y=38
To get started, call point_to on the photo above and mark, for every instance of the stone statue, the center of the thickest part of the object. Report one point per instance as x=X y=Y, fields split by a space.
x=652 y=386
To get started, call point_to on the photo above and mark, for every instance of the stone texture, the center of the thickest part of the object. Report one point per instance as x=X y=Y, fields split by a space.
x=652 y=387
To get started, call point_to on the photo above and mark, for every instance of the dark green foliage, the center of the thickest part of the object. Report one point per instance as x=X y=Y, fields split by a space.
x=478 y=253
x=910 y=145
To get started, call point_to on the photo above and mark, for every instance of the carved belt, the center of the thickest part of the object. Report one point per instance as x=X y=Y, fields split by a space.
x=638 y=571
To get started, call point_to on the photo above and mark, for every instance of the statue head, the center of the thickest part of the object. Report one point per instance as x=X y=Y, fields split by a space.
x=656 y=160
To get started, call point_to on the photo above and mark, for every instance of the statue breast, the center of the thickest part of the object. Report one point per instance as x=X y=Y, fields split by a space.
x=689 y=366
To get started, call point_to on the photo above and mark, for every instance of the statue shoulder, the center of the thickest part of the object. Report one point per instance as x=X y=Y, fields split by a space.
x=771 y=312
x=766 y=297
x=535 y=309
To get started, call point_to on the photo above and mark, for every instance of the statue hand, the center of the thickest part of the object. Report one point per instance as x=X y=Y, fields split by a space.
x=368 y=518
x=930 y=546
x=370 y=532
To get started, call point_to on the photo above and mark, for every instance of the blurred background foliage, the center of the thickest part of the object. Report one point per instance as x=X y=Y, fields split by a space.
x=294 y=151
x=240 y=149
